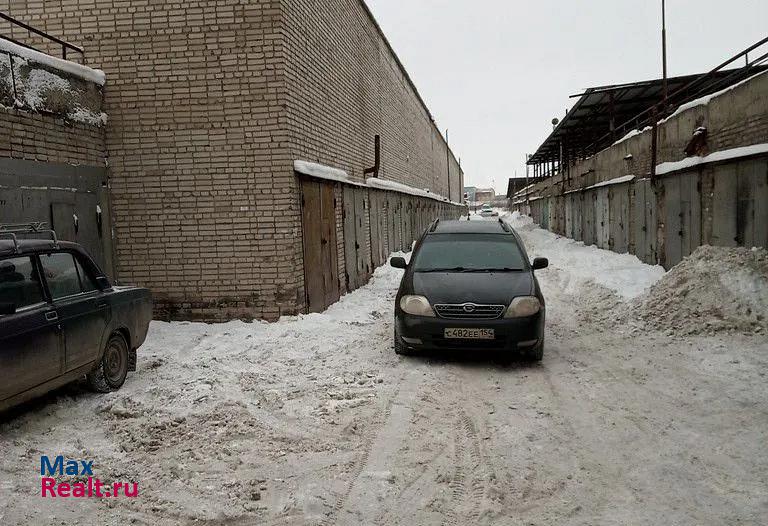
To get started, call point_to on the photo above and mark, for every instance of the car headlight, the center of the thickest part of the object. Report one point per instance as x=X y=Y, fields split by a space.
x=417 y=305
x=523 y=307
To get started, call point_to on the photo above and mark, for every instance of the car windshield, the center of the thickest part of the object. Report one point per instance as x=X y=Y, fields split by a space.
x=469 y=253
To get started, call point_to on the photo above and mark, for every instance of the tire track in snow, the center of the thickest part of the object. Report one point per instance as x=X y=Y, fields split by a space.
x=379 y=446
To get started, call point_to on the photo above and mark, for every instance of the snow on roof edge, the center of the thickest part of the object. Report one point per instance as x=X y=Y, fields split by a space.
x=329 y=173
x=384 y=184
x=618 y=180
x=84 y=72
x=722 y=155
x=320 y=171
x=706 y=99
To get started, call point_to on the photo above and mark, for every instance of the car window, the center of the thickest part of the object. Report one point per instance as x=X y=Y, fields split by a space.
x=469 y=252
x=19 y=282
x=86 y=281
x=61 y=274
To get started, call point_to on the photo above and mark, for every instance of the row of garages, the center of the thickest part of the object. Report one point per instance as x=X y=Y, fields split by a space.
x=662 y=222
x=349 y=230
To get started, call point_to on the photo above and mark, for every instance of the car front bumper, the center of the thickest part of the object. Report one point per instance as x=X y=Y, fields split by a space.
x=510 y=335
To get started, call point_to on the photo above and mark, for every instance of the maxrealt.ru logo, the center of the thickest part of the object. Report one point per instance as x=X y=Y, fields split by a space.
x=92 y=487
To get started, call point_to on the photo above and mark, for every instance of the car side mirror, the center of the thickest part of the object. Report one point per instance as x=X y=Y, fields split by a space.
x=7 y=308
x=540 y=263
x=103 y=283
x=398 y=262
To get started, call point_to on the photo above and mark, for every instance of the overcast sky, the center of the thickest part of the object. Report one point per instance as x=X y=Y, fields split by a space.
x=495 y=72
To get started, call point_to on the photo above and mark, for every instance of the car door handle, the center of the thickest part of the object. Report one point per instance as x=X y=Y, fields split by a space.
x=51 y=316
x=102 y=306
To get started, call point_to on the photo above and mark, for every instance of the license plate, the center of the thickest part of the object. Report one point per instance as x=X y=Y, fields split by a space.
x=469 y=334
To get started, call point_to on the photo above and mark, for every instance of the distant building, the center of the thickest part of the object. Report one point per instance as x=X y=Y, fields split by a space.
x=485 y=195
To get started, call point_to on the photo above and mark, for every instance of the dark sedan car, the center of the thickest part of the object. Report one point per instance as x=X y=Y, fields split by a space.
x=470 y=285
x=61 y=319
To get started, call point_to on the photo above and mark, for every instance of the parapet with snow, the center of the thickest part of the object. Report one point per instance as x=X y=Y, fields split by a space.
x=37 y=82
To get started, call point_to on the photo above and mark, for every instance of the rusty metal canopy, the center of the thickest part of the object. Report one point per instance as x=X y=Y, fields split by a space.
x=605 y=114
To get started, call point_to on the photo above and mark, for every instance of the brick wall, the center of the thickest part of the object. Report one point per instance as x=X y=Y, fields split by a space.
x=47 y=138
x=210 y=102
x=345 y=85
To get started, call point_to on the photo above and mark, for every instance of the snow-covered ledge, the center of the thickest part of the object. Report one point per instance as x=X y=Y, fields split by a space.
x=328 y=173
x=84 y=72
x=723 y=155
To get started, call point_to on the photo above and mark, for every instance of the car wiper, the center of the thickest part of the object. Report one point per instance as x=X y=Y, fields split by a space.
x=472 y=270
x=452 y=269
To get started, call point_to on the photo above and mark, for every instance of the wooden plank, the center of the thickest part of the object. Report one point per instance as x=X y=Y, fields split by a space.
x=361 y=236
x=619 y=216
x=673 y=224
x=311 y=228
x=745 y=211
x=691 y=213
x=329 y=250
x=350 y=250
x=752 y=211
x=760 y=191
x=375 y=227
x=724 y=205
x=398 y=222
x=639 y=229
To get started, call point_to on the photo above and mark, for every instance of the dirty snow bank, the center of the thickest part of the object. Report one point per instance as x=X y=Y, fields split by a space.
x=714 y=289
x=623 y=274
x=219 y=420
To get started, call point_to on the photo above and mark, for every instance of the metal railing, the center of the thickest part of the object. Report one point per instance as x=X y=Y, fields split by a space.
x=690 y=92
x=65 y=46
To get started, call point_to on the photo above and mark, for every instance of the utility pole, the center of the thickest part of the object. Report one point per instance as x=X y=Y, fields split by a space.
x=664 y=52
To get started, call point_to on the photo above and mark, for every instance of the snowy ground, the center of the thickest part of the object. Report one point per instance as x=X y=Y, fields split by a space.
x=315 y=420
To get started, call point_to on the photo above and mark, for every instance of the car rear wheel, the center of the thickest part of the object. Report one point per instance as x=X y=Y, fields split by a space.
x=110 y=374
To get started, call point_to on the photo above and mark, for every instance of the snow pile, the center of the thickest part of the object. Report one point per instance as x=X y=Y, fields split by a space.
x=624 y=274
x=218 y=417
x=714 y=289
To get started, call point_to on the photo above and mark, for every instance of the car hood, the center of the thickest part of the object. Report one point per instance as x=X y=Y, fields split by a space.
x=495 y=288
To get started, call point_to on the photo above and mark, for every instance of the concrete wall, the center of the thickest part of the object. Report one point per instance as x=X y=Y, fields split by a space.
x=718 y=203
x=210 y=103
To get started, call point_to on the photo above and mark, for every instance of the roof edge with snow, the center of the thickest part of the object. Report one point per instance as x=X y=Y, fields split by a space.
x=96 y=76
x=720 y=156
x=328 y=173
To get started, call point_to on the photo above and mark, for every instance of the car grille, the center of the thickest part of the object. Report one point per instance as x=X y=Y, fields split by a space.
x=470 y=311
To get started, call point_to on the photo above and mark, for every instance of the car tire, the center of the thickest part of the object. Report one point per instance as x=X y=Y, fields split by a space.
x=400 y=347
x=112 y=370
